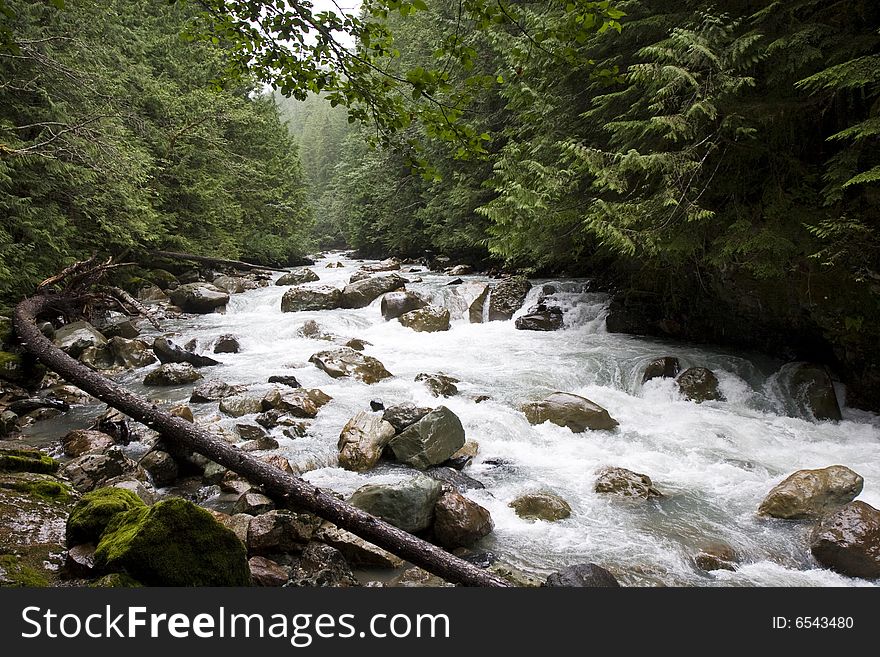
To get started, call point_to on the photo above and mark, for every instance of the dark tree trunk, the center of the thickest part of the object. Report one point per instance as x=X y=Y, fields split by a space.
x=207 y=260
x=285 y=488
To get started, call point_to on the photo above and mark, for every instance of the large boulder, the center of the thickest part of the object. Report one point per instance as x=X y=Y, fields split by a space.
x=168 y=352
x=625 y=483
x=395 y=304
x=808 y=494
x=281 y=532
x=459 y=522
x=848 y=541
x=568 y=410
x=93 y=512
x=541 y=318
x=401 y=416
x=358 y=552
x=430 y=441
x=227 y=344
x=299 y=402
x=323 y=297
x=699 y=384
x=131 y=353
x=667 y=367
x=389 y=264
x=298 y=277
x=439 y=385
x=84 y=441
x=541 y=506
x=199 y=297
x=73 y=339
x=426 y=320
x=582 y=575
x=91 y=471
x=362 y=293
x=346 y=362
x=173 y=543
x=214 y=390
x=813 y=390
x=453 y=478
x=362 y=440
x=118 y=326
x=233 y=284
x=161 y=466
x=172 y=374
x=507 y=297
x=408 y=504
x=241 y=405
x=468 y=301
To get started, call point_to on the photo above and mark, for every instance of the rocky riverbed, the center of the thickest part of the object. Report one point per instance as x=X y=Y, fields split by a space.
x=494 y=417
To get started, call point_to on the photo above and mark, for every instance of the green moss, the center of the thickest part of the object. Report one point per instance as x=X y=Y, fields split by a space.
x=47 y=489
x=173 y=543
x=6 y=332
x=20 y=369
x=16 y=574
x=162 y=277
x=91 y=515
x=116 y=581
x=26 y=460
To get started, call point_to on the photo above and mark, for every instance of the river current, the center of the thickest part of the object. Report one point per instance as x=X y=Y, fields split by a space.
x=714 y=462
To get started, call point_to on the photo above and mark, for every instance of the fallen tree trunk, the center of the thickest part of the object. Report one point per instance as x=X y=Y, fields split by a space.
x=207 y=260
x=285 y=488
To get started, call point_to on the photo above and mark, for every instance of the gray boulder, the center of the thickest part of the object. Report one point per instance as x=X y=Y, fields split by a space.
x=311 y=298
x=848 y=541
x=667 y=367
x=281 y=532
x=265 y=572
x=583 y=575
x=92 y=471
x=130 y=353
x=161 y=466
x=813 y=390
x=507 y=297
x=625 y=483
x=73 y=339
x=168 y=352
x=214 y=390
x=395 y=304
x=810 y=494
x=358 y=552
x=346 y=362
x=362 y=293
x=541 y=318
x=172 y=374
x=541 y=506
x=362 y=440
x=322 y=565
x=227 y=344
x=430 y=441
x=199 y=298
x=699 y=384
x=408 y=504
x=299 y=402
x=401 y=416
x=568 y=410
x=298 y=277
x=84 y=441
x=439 y=385
x=241 y=405
x=426 y=320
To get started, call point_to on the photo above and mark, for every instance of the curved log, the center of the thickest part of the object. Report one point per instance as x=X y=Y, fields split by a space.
x=287 y=489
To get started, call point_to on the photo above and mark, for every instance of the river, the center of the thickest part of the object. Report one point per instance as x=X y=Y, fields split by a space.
x=714 y=462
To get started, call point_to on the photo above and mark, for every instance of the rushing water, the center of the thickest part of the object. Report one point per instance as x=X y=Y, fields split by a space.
x=714 y=461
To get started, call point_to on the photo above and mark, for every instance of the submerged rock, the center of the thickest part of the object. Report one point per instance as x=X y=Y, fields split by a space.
x=227 y=344
x=168 y=352
x=173 y=543
x=808 y=494
x=699 y=384
x=408 y=504
x=172 y=374
x=716 y=556
x=430 y=441
x=395 y=304
x=582 y=575
x=426 y=320
x=848 y=541
x=199 y=298
x=667 y=367
x=439 y=385
x=457 y=480
x=362 y=293
x=460 y=522
x=626 y=483
x=541 y=506
x=346 y=362
x=362 y=440
x=541 y=318
x=507 y=297
x=311 y=298
x=568 y=410
x=300 y=402
x=298 y=277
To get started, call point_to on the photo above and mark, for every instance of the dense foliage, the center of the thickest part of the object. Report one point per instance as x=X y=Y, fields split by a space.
x=114 y=136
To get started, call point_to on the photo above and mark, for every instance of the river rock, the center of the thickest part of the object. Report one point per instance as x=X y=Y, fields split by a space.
x=401 y=416
x=389 y=264
x=507 y=297
x=346 y=362
x=91 y=471
x=541 y=506
x=251 y=432
x=362 y=293
x=281 y=532
x=151 y=293
x=426 y=320
x=322 y=565
x=699 y=384
x=79 y=562
x=568 y=410
x=265 y=572
x=439 y=385
x=813 y=389
x=93 y=512
x=182 y=411
x=359 y=275
x=214 y=390
x=233 y=284
x=808 y=494
x=395 y=304
x=667 y=367
x=415 y=577
x=468 y=300
x=408 y=504
x=285 y=380
x=848 y=541
x=83 y=441
x=227 y=344
x=430 y=441
x=73 y=339
x=322 y=297
x=625 y=483
x=199 y=298
x=460 y=522
x=131 y=353
x=161 y=466
x=253 y=503
x=357 y=552
x=98 y=358
x=240 y=405
x=362 y=440
x=541 y=318
x=298 y=277
x=460 y=270
x=454 y=478
x=716 y=556
x=168 y=352
x=300 y=402
x=173 y=543
x=238 y=524
x=463 y=456
x=118 y=326
x=582 y=575
x=172 y=374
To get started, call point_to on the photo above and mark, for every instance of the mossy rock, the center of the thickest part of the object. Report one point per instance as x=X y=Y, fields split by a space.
x=26 y=460
x=173 y=543
x=41 y=486
x=15 y=573
x=116 y=581
x=162 y=277
x=95 y=510
x=21 y=369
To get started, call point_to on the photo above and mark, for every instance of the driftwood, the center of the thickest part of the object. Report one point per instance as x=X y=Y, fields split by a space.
x=207 y=260
x=286 y=489
x=137 y=305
